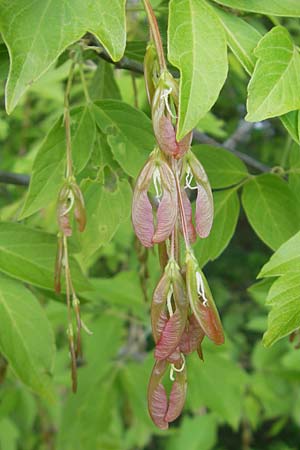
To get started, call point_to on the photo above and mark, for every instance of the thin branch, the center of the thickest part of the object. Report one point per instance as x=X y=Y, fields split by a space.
x=14 y=178
x=124 y=63
x=240 y=136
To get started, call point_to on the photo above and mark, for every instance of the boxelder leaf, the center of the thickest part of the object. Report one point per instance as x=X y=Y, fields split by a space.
x=287 y=8
x=197 y=47
x=106 y=210
x=50 y=27
x=206 y=386
x=83 y=138
x=271 y=208
x=226 y=213
x=284 y=317
x=26 y=337
x=129 y=133
x=29 y=255
x=274 y=86
x=222 y=167
x=285 y=260
x=242 y=38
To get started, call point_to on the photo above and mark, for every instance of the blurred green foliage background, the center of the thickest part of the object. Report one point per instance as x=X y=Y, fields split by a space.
x=243 y=396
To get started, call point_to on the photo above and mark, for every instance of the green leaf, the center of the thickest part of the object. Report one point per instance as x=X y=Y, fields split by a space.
x=87 y=416
x=29 y=255
x=271 y=208
x=26 y=337
x=197 y=47
x=106 y=210
x=291 y=122
x=242 y=38
x=37 y=32
x=129 y=133
x=285 y=260
x=284 y=317
x=218 y=384
x=49 y=165
x=274 y=87
x=222 y=167
x=212 y=125
x=122 y=291
x=9 y=434
x=226 y=213
x=103 y=84
x=195 y=433
x=83 y=138
x=287 y=8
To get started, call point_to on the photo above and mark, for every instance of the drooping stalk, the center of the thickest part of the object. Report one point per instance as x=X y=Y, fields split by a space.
x=67 y=122
x=155 y=34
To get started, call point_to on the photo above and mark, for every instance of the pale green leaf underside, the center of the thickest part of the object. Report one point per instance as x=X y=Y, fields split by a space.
x=26 y=337
x=287 y=8
x=36 y=32
x=242 y=38
x=285 y=260
x=284 y=317
x=227 y=208
x=271 y=208
x=275 y=84
x=197 y=47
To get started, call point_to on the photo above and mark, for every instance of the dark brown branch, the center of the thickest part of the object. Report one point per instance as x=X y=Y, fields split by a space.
x=238 y=137
x=14 y=178
x=124 y=63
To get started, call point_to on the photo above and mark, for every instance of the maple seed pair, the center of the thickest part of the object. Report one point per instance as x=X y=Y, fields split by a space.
x=157 y=172
x=70 y=198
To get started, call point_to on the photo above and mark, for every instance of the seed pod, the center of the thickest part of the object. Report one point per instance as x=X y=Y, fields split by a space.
x=192 y=337
x=150 y=71
x=167 y=333
x=58 y=265
x=64 y=204
x=161 y=411
x=157 y=397
x=158 y=305
x=165 y=132
x=201 y=301
x=157 y=170
x=204 y=202
x=167 y=209
x=177 y=394
x=79 y=207
x=188 y=216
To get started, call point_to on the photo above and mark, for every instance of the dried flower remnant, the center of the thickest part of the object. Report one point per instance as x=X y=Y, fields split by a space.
x=183 y=311
x=70 y=203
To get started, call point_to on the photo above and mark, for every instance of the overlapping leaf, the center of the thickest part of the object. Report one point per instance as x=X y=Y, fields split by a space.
x=29 y=255
x=26 y=337
x=37 y=32
x=288 y=8
x=274 y=86
x=271 y=208
x=197 y=47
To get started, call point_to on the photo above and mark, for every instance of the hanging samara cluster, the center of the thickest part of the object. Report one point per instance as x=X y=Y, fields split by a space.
x=183 y=311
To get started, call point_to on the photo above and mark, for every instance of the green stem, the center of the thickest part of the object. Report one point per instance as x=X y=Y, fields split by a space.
x=155 y=34
x=84 y=85
x=67 y=122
